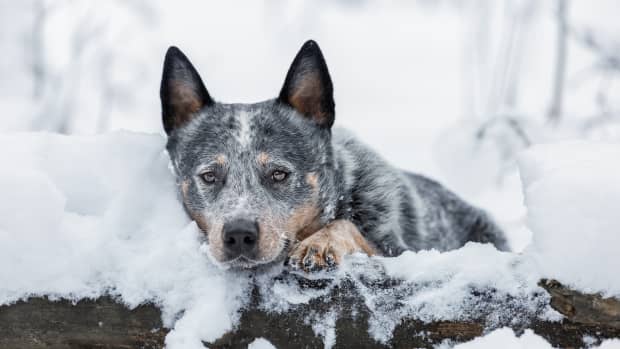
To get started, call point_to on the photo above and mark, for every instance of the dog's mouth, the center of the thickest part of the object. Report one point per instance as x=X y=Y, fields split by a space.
x=243 y=262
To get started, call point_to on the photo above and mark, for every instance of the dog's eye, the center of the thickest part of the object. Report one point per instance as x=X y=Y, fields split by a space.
x=278 y=176
x=209 y=177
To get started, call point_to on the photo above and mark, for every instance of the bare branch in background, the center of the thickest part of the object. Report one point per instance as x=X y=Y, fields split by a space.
x=496 y=80
x=511 y=123
x=605 y=68
x=91 y=54
x=42 y=11
x=555 y=110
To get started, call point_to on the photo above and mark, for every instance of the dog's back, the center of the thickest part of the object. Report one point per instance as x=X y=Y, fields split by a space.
x=400 y=211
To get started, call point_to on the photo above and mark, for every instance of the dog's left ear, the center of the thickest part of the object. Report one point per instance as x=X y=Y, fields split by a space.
x=182 y=92
x=308 y=87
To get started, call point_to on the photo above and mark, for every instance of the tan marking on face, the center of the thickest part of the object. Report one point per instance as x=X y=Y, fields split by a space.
x=332 y=242
x=197 y=217
x=221 y=159
x=200 y=221
x=262 y=158
x=216 y=241
x=184 y=187
x=313 y=180
x=271 y=238
x=303 y=222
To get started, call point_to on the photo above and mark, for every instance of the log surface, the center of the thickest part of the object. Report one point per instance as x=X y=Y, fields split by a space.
x=104 y=323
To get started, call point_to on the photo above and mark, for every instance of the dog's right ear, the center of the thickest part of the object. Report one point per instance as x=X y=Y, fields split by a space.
x=182 y=92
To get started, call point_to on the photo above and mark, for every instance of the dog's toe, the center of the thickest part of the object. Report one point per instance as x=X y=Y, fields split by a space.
x=311 y=256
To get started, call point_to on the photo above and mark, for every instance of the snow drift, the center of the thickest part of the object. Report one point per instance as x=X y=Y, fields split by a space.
x=572 y=193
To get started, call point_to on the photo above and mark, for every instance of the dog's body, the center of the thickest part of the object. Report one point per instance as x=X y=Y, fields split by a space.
x=269 y=180
x=404 y=211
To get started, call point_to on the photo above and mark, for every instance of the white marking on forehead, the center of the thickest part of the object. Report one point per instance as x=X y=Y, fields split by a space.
x=237 y=207
x=244 y=137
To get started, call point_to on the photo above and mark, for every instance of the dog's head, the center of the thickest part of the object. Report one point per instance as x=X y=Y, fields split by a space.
x=255 y=177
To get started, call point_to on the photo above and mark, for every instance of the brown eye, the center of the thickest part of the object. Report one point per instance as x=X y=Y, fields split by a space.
x=209 y=177
x=278 y=176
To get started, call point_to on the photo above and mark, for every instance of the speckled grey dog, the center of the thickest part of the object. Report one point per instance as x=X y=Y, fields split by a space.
x=272 y=180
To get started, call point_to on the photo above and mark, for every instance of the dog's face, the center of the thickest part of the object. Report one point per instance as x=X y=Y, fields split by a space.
x=255 y=177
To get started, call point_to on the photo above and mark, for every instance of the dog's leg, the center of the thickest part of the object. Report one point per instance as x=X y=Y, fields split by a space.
x=326 y=247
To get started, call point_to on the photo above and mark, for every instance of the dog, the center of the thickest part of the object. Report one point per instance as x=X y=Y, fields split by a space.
x=273 y=182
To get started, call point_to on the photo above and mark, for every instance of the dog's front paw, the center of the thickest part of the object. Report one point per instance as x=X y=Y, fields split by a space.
x=325 y=248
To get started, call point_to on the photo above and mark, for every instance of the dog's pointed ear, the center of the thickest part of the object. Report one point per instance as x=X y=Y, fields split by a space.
x=308 y=87
x=182 y=92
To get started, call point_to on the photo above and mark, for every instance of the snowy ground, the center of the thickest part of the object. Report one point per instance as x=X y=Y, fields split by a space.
x=98 y=215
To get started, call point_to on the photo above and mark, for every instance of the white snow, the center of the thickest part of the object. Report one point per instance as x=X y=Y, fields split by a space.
x=87 y=216
x=443 y=284
x=261 y=343
x=435 y=286
x=505 y=338
x=572 y=191
x=83 y=217
x=610 y=344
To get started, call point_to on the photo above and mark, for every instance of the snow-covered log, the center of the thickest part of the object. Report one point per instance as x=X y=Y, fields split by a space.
x=104 y=323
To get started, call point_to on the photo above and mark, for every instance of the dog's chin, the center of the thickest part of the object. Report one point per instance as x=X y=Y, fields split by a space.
x=244 y=263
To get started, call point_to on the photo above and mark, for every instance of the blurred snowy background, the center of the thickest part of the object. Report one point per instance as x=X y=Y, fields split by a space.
x=453 y=89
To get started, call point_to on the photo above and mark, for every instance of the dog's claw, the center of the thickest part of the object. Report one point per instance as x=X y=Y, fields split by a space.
x=308 y=261
x=330 y=259
x=292 y=262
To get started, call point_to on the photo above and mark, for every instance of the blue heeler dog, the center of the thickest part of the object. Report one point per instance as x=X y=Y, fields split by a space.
x=271 y=181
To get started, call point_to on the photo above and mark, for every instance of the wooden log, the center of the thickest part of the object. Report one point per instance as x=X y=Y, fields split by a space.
x=583 y=308
x=105 y=323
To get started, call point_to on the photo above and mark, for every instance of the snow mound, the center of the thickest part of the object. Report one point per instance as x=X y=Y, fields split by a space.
x=86 y=216
x=572 y=193
x=505 y=338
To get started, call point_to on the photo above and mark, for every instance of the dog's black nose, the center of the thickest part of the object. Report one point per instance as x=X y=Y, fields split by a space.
x=240 y=238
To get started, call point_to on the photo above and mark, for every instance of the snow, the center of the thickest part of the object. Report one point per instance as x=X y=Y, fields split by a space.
x=573 y=197
x=86 y=216
x=261 y=343
x=439 y=287
x=131 y=239
x=505 y=338
x=610 y=344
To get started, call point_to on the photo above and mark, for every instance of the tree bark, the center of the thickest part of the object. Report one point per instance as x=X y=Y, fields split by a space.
x=105 y=323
